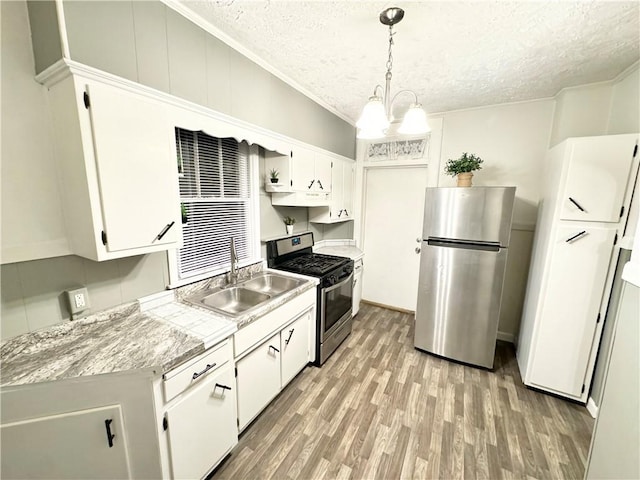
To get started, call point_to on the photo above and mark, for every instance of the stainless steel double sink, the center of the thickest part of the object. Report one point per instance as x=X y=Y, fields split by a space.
x=247 y=295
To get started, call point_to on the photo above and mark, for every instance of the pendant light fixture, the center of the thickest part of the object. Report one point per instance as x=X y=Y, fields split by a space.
x=377 y=113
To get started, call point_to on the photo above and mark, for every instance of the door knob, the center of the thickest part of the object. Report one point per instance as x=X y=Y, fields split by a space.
x=417 y=249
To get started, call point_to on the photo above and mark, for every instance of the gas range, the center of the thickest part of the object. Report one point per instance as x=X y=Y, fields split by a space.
x=335 y=291
x=328 y=268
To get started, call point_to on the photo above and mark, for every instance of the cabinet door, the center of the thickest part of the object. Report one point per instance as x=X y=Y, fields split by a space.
x=302 y=170
x=322 y=171
x=258 y=379
x=567 y=320
x=295 y=347
x=597 y=178
x=347 y=189
x=357 y=287
x=69 y=445
x=202 y=426
x=337 y=197
x=137 y=169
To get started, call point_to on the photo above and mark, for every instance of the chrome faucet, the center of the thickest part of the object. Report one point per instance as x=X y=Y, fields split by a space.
x=233 y=274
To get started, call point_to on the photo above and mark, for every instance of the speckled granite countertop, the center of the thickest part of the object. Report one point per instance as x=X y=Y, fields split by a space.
x=159 y=333
x=116 y=340
x=350 y=251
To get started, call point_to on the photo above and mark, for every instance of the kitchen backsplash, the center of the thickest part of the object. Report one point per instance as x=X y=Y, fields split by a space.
x=32 y=292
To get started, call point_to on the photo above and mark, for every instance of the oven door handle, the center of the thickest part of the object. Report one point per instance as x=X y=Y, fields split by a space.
x=342 y=281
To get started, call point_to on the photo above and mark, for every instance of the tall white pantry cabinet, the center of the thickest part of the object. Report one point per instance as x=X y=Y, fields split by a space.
x=588 y=186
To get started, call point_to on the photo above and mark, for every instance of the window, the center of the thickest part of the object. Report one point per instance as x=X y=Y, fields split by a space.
x=218 y=201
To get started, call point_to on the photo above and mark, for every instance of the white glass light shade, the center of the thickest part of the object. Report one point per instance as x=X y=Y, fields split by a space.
x=415 y=121
x=373 y=121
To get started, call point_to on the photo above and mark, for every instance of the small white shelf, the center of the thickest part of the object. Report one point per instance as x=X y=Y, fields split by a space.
x=276 y=187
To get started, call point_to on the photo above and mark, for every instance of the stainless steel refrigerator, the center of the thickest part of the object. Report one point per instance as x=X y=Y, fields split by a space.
x=463 y=256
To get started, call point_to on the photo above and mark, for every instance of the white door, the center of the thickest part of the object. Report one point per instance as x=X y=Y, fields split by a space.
x=258 y=379
x=393 y=211
x=303 y=170
x=69 y=445
x=567 y=325
x=597 y=178
x=137 y=169
x=322 y=170
x=295 y=347
x=347 y=189
x=202 y=426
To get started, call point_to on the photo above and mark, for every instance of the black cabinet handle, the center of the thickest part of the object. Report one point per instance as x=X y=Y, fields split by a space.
x=206 y=369
x=286 y=342
x=576 y=204
x=345 y=212
x=310 y=185
x=340 y=213
x=320 y=183
x=164 y=230
x=110 y=436
x=569 y=240
x=271 y=346
x=223 y=387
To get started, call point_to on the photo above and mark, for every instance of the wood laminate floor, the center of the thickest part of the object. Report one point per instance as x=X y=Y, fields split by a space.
x=379 y=409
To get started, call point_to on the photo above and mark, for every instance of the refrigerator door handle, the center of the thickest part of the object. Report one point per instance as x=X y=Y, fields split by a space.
x=449 y=243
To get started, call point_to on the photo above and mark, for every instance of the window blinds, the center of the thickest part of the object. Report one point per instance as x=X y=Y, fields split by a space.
x=216 y=198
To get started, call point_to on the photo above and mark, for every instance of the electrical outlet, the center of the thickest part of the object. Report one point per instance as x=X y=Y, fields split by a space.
x=78 y=300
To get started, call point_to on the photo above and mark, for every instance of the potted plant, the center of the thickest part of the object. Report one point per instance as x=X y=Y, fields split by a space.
x=462 y=168
x=185 y=214
x=274 y=175
x=289 y=221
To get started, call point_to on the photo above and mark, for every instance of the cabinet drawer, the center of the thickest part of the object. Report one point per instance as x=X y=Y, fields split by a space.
x=262 y=328
x=182 y=377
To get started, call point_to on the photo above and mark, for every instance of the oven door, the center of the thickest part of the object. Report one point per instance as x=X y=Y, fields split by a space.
x=335 y=305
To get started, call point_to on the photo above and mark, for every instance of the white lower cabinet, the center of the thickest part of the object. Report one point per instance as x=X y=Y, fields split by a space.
x=196 y=404
x=566 y=329
x=202 y=425
x=82 y=444
x=270 y=351
x=267 y=369
x=258 y=379
x=294 y=341
x=357 y=286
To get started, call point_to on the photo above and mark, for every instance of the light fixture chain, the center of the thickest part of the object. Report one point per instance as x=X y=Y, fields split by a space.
x=390 y=60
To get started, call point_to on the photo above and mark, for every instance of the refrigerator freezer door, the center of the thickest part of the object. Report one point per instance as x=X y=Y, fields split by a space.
x=458 y=308
x=479 y=214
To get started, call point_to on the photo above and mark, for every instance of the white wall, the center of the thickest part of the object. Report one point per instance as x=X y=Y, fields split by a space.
x=581 y=111
x=512 y=140
x=625 y=103
x=597 y=109
x=32 y=224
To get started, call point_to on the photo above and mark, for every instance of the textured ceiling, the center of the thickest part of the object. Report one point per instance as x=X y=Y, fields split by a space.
x=453 y=54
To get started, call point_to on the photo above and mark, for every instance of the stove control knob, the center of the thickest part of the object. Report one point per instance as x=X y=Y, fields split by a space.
x=331 y=280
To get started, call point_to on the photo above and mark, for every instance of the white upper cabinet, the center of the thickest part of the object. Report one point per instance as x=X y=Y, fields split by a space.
x=597 y=177
x=341 y=198
x=304 y=177
x=118 y=170
x=311 y=171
